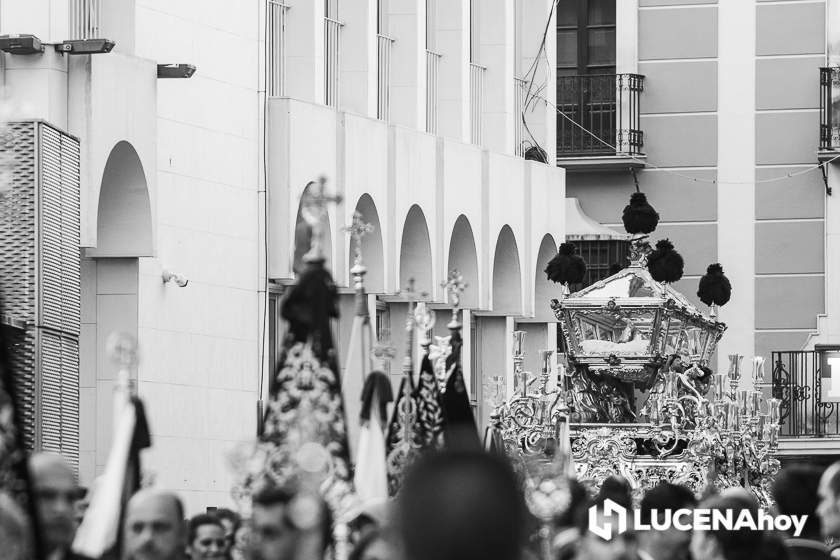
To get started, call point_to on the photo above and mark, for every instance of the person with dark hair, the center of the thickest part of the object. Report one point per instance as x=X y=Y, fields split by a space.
x=724 y=544
x=290 y=526
x=671 y=543
x=377 y=544
x=620 y=546
x=462 y=505
x=231 y=522
x=206 y=537
x=154 y=527
x=617 y=489
x=796 y=492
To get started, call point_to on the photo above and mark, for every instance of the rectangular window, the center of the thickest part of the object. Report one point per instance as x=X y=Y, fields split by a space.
x=585 y=37
x=474 y=31
x=331 y=9
x=430 y=25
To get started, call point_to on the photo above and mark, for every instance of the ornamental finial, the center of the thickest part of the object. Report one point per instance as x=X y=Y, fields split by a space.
x=314 y=212
x=454 y=287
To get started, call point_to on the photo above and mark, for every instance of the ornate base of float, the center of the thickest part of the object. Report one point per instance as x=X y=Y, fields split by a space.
x=646 y=455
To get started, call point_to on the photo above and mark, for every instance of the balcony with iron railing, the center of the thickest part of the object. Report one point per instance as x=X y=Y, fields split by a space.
x=276 y=62
x=829 y=112
x=383 y=77
x=332 y=61
x=477 y=73
x=432 y=77
x=598 y=121
x=810 y=406
x=520 y=90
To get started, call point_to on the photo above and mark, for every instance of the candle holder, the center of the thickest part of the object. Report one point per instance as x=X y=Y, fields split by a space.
x=734 y=373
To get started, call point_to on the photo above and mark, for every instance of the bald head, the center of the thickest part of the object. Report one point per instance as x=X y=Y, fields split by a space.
x=56 y=492
x=154 y=526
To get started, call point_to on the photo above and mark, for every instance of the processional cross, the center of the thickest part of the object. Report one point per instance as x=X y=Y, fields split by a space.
x=454 y=287
x=357 y=230
x=314 y=211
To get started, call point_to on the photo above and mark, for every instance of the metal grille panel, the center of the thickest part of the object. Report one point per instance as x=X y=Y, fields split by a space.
x=40 y=267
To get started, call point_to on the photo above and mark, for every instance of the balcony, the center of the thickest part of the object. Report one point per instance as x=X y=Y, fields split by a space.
x=84 y=19
x=383 y=78
x=802 y=380
x=608 y=107
x=477 y=73
x=829 y=112
x=432 y=72
x=276 y=78
x=332 y=61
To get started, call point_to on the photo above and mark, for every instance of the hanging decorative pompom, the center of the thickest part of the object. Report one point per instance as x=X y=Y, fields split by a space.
x=639 y=216
x=664 y=263
x=714 y=288
x=566 y=266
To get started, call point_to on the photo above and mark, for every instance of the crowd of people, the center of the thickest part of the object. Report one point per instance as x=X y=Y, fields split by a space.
x=452 y=506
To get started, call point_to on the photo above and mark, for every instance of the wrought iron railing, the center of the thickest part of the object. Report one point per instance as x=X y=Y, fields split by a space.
x=607 y=107
x=332 y=61
x=84 y=19
x=476 y=102
x=383 y=78
x=798 y=382
x=276 y=74
x=432 y=71
x=520 y=88
x=830 y=108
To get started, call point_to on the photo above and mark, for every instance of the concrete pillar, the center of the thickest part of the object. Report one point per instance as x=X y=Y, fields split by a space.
x=407 y=26
x=541 y=114
x=305 y=50
x=452 y=37
x=358 y=57
x=736 y=166
x=495 y=52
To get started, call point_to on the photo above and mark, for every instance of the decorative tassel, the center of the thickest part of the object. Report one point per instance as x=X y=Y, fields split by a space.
x=639 y=216
x=566 y=267
x=714 y=288
x=664 y=263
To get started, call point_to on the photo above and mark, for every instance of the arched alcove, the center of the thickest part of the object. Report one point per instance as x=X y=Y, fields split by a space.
x=372 y=252
x=544 y=289
x=507 y=276
x=303 y=237
x=416 y=252
x=124 y=218
x=463 y=256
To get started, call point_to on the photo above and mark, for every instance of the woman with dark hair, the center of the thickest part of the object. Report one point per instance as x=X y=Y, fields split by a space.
x=206 y=538
x=742 y=544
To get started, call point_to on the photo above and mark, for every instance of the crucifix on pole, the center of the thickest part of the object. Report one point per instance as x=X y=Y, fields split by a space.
x=314 y=211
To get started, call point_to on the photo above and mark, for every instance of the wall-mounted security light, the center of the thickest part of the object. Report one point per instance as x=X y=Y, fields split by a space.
x=21 y=44
x=85 y=46
x=179 y=279
x=175 y=70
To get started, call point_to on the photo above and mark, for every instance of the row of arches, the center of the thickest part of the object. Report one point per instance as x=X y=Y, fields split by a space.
x=416 y=260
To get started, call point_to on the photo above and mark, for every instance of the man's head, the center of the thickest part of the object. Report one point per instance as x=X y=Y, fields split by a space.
x=287 y=526
x=723 y=543
x=796 y=492
x=56 y=493
x=671 y=542
x=622 y=546
x=154 y=527
x=206 y=537
x=828 y=509
x=447 y=512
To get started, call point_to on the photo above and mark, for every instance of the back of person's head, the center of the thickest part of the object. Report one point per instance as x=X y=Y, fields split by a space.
x=464 y=505
x=795 y=492
x=381 y=542
x=666 y=496
x=617 y=489
x=298 y=501
x=734 y=544
x=579 y=499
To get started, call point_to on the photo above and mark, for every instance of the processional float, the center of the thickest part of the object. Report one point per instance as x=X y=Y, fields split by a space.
x=631 y=392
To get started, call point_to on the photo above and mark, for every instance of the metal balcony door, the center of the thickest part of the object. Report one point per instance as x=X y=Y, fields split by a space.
x=585 y=49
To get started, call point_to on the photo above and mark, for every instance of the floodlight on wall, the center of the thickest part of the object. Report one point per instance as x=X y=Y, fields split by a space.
x=85 y=46
x=175 y=70
x=21 y=44
x=180 y=280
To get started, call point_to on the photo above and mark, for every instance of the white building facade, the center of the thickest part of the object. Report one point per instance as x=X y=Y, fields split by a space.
x=410 y=108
